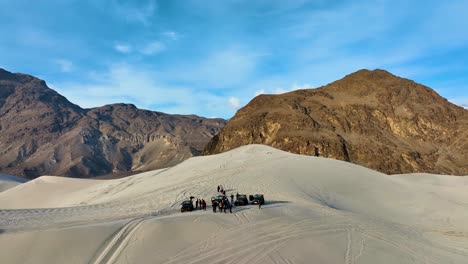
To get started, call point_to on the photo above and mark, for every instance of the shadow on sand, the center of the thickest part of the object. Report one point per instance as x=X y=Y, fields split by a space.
x=275 y=202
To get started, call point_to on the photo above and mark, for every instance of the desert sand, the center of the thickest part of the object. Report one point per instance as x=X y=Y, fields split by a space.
x=317 y=211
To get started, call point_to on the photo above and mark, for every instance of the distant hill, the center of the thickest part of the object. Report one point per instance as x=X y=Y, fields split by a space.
x=371 y=118
x=9 y=181
x=42 y=133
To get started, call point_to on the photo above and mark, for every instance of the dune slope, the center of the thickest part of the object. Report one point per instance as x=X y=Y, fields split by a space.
x=317 y=209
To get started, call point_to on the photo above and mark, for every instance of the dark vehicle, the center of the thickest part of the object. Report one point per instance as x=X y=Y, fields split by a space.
x=241 y=200
x=257 y=199
x=186 y=206
x=218 y=198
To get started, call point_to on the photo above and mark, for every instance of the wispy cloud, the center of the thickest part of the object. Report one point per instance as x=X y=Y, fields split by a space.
x=180 y=48
x=143 y=87
x=135 y=11
x=64 y=65
x=280 y=90
x=461 y=101
x=153 y=48
x=234 y=103
x=123 y=48
x=299 y=86
x=259 y=92
x=221 y=68
x=172 y=35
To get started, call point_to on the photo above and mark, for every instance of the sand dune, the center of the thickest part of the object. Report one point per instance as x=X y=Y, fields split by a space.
x=318 y=211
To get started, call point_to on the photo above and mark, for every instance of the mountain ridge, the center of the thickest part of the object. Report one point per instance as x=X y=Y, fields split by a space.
x=44 y=133
x=371 y=118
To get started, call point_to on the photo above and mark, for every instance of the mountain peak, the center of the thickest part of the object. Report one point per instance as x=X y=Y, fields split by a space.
x=6 y=75
x=375 y=72
x=43 y=133
x=366 y=75
x=370 y=117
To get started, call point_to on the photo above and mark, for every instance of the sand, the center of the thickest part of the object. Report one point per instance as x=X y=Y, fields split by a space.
x=317 y=211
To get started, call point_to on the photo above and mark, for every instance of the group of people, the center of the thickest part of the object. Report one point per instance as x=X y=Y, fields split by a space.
x=224 y=204
x=221 y=189
x=199 y=203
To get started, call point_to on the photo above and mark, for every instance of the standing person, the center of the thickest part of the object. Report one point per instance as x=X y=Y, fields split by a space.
x=232 y=198
x=203 y=204
x=259 y=205
x=214 y=204
x=230 y=208
x=196 y=204
x=226 y=204
x=218 y=188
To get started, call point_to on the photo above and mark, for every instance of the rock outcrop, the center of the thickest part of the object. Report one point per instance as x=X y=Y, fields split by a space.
x=42 y=133
x=371 y=118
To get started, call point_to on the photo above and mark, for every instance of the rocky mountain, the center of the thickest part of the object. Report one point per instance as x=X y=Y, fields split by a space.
x=42 y=133
x=371 y=118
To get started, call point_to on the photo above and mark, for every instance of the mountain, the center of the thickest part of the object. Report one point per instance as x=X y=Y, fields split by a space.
x=371 y=118
x=42 y=133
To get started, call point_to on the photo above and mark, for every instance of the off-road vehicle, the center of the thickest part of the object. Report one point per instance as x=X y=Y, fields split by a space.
x=186 y=206
x=257 y=199
x=218 y=198
x=241 y=199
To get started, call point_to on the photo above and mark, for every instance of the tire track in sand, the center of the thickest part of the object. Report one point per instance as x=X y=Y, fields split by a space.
x=117 y=242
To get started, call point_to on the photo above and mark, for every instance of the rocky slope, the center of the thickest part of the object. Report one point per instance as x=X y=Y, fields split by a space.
x=371 y=118
x=42 y=133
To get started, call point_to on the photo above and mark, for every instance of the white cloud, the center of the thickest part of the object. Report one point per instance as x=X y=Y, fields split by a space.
x=259 y=92
x=280 y=90
x=154 y=47
x=123 y=48
x=229 y=67
x=65 y=65
x=172 y=35
x=234 y=102
x=300 y=86
x=461 y=101
x=142 y=87
x=141 y=12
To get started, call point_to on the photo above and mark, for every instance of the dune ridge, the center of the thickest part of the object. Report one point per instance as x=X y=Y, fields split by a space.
x=318 y=209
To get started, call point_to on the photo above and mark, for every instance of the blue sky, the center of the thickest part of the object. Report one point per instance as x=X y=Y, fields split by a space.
x=210 y=57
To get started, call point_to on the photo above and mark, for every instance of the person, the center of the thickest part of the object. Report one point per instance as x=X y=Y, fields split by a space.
x=221 y=205
x=259 y=205
x=204 y=204
x=218 y=188
x=232 y=198
x=196 y=204
x=214 y=204
x=224 y=192
x=226 y=204
x=230 y=208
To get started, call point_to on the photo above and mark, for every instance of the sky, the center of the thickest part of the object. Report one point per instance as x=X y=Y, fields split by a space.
x=211 y=57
